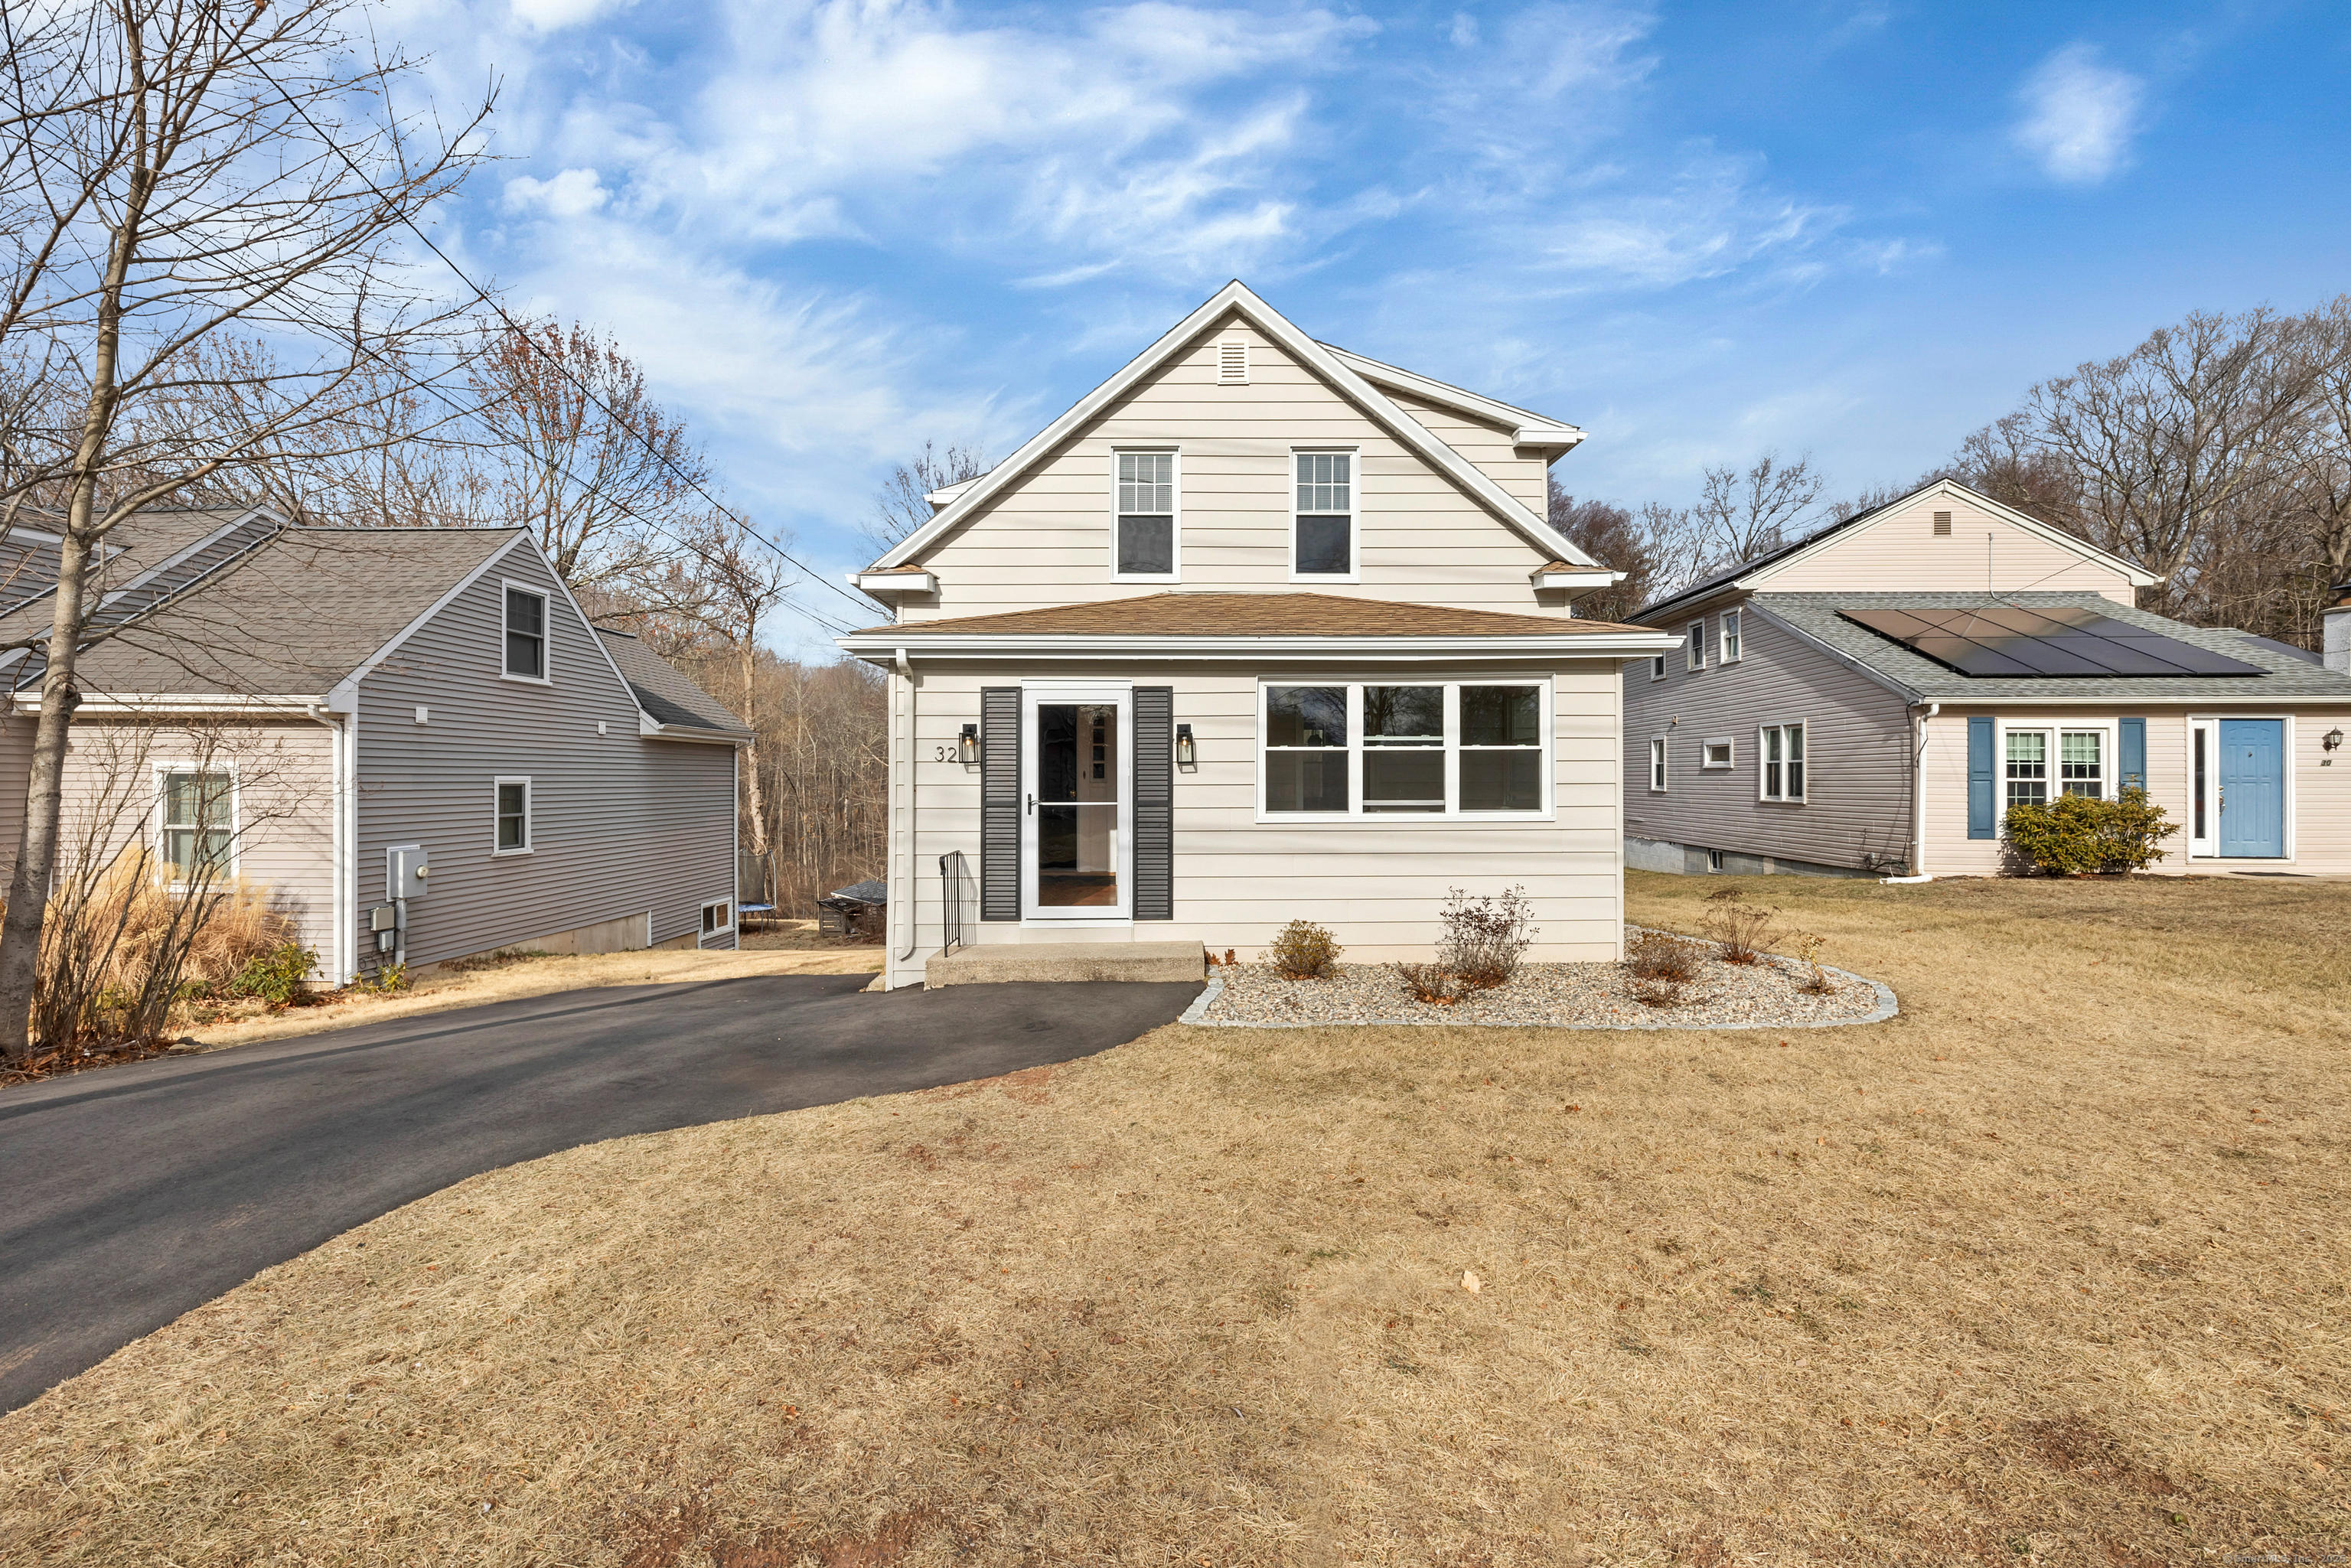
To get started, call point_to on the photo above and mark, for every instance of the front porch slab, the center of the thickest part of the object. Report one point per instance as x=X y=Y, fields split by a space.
x=1066 y=961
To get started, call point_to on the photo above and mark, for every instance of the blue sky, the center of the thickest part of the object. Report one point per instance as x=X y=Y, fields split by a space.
x=832 y=231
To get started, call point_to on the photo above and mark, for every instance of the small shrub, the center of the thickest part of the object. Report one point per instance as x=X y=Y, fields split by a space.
x=1430 y=983
x=1303 y=951
x=276 y=977
x=1485 y=938
x=389 y=977
x=1808 y=953
x=1656 y=957
x=1739 y=931
x=2074 y=835
x=1657 y=993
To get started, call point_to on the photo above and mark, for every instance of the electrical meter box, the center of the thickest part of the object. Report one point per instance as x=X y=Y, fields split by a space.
x=405 y=871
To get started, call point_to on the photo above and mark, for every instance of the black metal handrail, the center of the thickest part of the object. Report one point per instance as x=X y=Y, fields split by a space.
x=952 y=879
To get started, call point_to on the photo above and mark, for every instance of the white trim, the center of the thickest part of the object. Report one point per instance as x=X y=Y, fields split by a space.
x=1660 y=765
x=1452 y=683
x=1354 y=456
x=508 y=587
x=1232 y=355
x=1657 y=668
x=529 y=816
x=2211 y=721
x=880 y=582
x=1119 y=694
x=159 y=770
x=345 y=696
x=877 y=646
x=702 y=927
x=1729 y=637
x=1730 y=755
x=946 y=493
x=1554 y=580
x=1236 y=297
x=1694 y=645
x=1527 y=427
x=2107 y=728
x=1175 y=455
x=1762 y=762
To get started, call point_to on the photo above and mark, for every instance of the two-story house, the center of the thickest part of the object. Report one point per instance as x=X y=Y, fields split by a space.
x=1259 y=629
x=1874 y=697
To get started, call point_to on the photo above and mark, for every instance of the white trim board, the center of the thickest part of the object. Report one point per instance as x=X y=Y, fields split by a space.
x=1235 y=299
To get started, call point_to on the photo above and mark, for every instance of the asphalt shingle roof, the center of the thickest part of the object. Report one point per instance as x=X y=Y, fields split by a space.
x=2287 y=676
x=664 y=692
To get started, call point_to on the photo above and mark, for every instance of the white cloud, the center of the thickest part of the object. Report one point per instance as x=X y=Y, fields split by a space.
x=2079 y=116
x=570 y=194
x=551 y=15
x=1464 y=33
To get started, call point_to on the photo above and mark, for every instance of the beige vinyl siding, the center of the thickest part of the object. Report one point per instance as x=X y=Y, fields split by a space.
x=15 y=778
x=1047 y=540
x=2321 y=805
x=1858 y=776
x=1377 y=884
x=1488 y=445
x=1900 y=553
x=620 y=824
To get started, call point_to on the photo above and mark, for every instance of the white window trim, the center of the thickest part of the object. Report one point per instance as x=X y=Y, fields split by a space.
x=529 y=817
x=1730 y=634
x=703 y=930
x=1660 y=765
x=1175 y=530
x=1116 y=689
x=546 y=677
x=2108 y=729
x=1355 y=515
x=2209 y=847
x=236 y=813
x=1354 y=815
x=1707 y=765
x=1761 y=753
x=1694 y=645
x=1657 y=668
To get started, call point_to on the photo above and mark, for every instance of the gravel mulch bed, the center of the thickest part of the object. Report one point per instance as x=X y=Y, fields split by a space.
x=1762 y=995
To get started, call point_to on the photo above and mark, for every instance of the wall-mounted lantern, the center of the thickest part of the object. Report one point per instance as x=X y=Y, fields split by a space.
x=1185 y=757
x=968 y=746
x=2333 y=740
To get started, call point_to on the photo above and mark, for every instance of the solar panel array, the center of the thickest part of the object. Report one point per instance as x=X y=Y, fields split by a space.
x=2007 y=640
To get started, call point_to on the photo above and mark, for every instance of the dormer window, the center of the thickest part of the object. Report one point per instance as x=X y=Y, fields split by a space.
x=1145 y=546
x=1322 y=544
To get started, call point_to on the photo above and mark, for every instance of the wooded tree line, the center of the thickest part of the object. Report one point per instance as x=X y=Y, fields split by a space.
x=2216 y=454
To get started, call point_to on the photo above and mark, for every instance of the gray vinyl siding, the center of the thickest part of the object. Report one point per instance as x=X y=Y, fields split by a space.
x=1857 y=751
x=620 y=824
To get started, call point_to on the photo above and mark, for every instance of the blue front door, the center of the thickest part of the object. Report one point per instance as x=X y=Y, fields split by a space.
x=2252 y=787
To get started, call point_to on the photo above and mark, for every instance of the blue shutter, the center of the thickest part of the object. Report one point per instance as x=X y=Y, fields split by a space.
x=2133 y=757
x=1983 y=793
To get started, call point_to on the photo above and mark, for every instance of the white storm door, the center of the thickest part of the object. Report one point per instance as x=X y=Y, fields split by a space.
x=1077 y=826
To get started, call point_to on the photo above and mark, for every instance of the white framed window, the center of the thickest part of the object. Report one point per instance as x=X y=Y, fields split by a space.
x=1784 y=774
x=1325 y=534
x=1694 y=645
x=195 y=819
x=718 y=917
x=1336 y=748
x=510 y=817
x=1715 y=754
x=1146 y=525
x=2038 y=765
x=1657 y=668
x=523 y=616
x=1657 y=765
x=1729 y=630
x=1714 y=859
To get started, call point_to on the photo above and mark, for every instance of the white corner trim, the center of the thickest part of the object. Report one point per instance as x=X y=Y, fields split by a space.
x=878 y=583
x=1527 y=427
x=1236 y=297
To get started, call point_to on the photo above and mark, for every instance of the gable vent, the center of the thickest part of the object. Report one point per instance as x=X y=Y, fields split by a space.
x=1942 y=525
x=1232 y=362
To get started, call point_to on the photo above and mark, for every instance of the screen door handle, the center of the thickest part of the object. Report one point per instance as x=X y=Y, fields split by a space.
x=1032 y=805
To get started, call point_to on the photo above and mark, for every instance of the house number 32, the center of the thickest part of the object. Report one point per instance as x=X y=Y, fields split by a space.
x=944 y=753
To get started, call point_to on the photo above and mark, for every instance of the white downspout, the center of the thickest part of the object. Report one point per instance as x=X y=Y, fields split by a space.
x=1919 y=872
x=345 y=962
x=906 y=671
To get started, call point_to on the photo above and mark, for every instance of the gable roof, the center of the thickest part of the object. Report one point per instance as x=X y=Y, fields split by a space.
x=1235 y=299
x=665 y=692
x=1755 y=573
x=2286 y=676
x=1528 y=428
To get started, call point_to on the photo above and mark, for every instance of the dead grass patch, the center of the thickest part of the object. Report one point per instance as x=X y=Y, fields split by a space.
x=2050 y=1269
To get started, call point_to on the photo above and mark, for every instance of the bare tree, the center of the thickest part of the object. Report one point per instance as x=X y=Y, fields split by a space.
x=200 y=169
x=899 y=507
x=1612 y=536
x=1745 y=513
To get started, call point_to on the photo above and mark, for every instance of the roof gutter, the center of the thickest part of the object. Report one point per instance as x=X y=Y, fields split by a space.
x=893 y=646
x=1869 y=672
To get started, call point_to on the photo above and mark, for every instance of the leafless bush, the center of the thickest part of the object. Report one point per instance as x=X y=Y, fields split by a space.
x=1485 y=937
x=1430 y=983
x=1808 y=953
x=1303 y=951
x=1657 y=956
x=1657 y=993
x=1739 y=931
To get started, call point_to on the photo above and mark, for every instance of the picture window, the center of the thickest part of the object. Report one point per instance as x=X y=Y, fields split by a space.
x=1449 y=748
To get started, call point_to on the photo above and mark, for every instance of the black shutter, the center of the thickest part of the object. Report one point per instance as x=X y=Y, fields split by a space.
x=1000 y=802
x=1155 y=802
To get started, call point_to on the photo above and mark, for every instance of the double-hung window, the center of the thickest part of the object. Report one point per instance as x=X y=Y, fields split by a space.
x=1782 y=748
x=525 y=630
x=2041 y=763
x=199 y=825
x=1729 y=628
x=1657 y=764
x=1694 y=645
x=1322 y=542
x=512 y=815
x=1145 y=546
x=1454 y=749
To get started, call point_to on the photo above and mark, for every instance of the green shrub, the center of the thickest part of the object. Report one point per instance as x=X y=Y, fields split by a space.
x=2073 y=835
x=277 y=975
x=1303 y=951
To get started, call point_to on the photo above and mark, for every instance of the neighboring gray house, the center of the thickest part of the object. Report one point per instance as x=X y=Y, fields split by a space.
x=301 y=700
x=1873 y=698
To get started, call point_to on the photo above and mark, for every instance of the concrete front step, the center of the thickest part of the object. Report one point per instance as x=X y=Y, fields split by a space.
x=1066 y=961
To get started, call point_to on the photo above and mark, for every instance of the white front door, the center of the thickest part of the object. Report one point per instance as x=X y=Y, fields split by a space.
x=1078 y=803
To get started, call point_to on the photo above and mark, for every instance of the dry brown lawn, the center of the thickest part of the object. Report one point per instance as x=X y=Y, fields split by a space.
x=2050 y=1269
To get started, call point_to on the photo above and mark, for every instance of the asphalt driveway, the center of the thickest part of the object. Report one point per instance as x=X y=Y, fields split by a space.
x=136 y=1193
